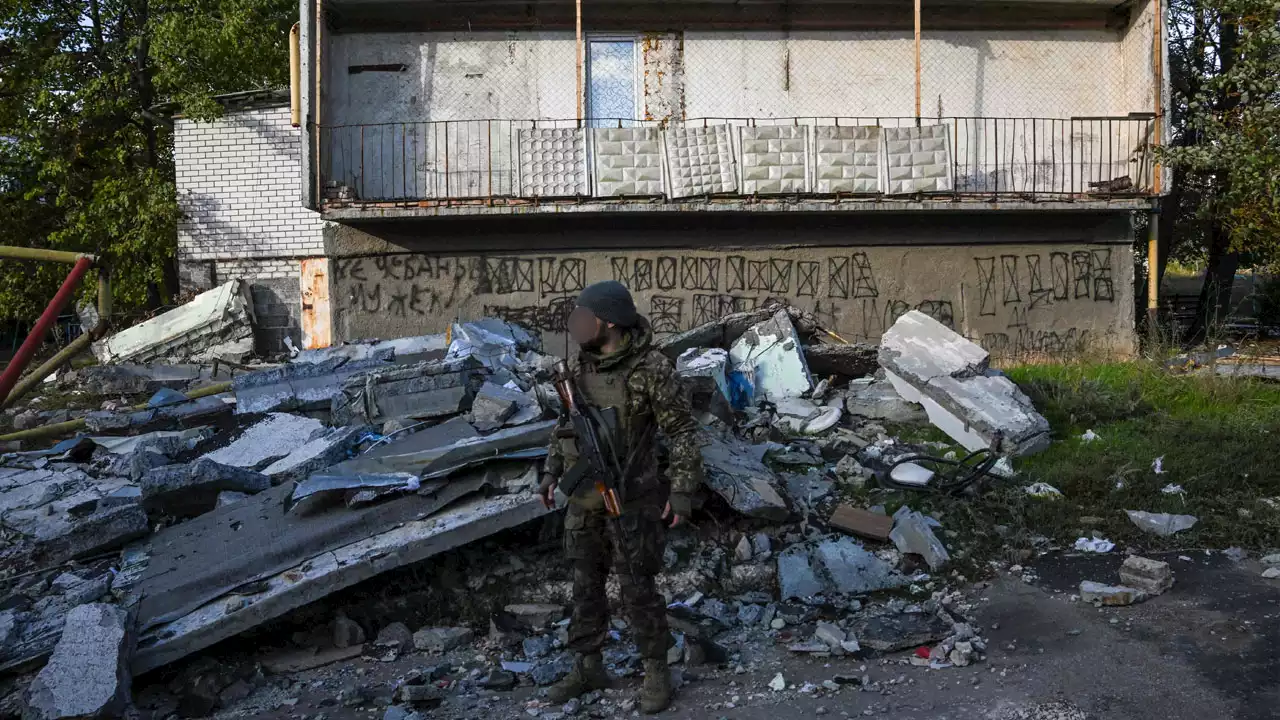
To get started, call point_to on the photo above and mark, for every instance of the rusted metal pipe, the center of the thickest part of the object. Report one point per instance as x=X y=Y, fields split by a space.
x=19 y=362
x=37 y=376
x=295 y=75
x=71 y=425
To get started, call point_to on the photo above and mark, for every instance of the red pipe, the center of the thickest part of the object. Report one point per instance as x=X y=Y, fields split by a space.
x=33 y=341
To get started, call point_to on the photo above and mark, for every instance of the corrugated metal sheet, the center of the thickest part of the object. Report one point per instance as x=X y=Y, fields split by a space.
x=918 y=159
x=848 y=159
x=628 y=161
x=317 y=330
x=700 y=160
x=553 y=162
x=775 y=159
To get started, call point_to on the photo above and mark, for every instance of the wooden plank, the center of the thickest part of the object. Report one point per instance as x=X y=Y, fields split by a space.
x=863 y=523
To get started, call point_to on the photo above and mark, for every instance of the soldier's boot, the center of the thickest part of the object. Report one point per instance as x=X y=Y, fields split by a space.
x=655 y=694
x=588 y=674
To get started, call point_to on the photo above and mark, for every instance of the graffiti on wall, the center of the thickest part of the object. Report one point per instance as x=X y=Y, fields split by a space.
x=1051 y=302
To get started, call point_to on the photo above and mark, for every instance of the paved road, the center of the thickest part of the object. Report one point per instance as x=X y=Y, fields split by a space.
x=1209 y=648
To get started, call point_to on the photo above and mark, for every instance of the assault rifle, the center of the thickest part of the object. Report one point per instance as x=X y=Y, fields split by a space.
x=595 y=431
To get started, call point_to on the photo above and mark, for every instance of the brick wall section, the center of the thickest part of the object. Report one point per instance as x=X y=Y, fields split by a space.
x=238 y=188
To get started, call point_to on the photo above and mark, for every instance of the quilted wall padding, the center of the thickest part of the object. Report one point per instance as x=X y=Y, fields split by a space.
x=627 y=161
x=700 y=160
x=553 y=162
x=918 y=159
x=847 y=159
x=775 y=159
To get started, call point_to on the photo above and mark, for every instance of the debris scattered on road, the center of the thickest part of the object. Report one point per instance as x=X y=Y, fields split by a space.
x=1094 y=545
x=1152 y=577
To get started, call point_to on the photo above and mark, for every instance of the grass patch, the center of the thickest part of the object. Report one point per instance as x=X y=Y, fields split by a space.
x=1218 y=438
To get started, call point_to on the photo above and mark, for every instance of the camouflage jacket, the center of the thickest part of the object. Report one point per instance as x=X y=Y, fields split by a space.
x=655 y=403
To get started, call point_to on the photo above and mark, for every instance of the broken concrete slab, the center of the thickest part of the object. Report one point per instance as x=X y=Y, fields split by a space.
x=188 y=414
x=1152 y=577
x=1163 y=524
x=853 y=570
x=709 y=363
x=797 y=578
x=165 y=442
x=932 y=365
x=536 y=615
x=880 y=401
x=299 y=386
x=493 y=342
x=739 y=476
x=406 y=349
x=326 y=449
x=769 y=355
x=103 y=530
x=134 y=379
x=88 y=674
x=274 y=437
x=194 y=331
x=855 y=360
x=192 y=488
x=1110 y=595
x=863 y=523
x=421 y=391
x=442 y=639
x=316 y=575
x=807 y=489
x=891 y=632
x=494 y=405
x=912 y=534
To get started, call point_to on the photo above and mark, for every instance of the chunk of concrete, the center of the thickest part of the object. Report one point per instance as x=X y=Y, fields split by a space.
x=348 y=633
x=193 y=332
x=274 y=437
x=769 y=354
x=1111 y=595
x=326 y=449
x=536 y=615
x=807 y=489
x=796 y=576
x=133 y=379
x=442 y=639
x=880 y=401
x=853 y=570
x=891 y=632
x=422 y=391
x=193 y=488
x=831 y=635
x=103 y=530
x=88 y=674
x=1152 y=577
x=301 y=386
x=930 y=364
x=229 y=497
x=912 y=534
x=1163 y=524
x=739 y=476
x=710 y=363
x=855 y=360
x=494 y=405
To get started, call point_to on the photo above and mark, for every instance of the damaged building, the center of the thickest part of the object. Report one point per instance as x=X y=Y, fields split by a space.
x=451 y=162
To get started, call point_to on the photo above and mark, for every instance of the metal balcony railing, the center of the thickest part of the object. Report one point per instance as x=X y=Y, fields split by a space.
x=440 y=162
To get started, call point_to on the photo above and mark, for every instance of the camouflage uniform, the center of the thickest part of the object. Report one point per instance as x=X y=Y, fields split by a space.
x=641 y=383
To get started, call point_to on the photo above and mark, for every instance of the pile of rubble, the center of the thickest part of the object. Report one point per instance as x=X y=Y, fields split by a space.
x=240 y=492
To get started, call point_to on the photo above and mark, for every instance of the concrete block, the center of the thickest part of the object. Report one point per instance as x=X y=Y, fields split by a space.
x=190 y=332
x=930 y=364
x=1102 y=594
x=880 y=401
x=709 y=363
x=853 y=570
x=536 y=615
x=193 y=488
x=276 y=436
x=441 y=639
x=494 y=405
x=1152 y=577
x=88 y=674
x=738 y=475
x=325 y=450
x=103 y=530
x=796 y=576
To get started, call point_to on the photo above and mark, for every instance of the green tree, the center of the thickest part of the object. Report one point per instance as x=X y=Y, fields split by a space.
x=85 y=153
x=1225 y=59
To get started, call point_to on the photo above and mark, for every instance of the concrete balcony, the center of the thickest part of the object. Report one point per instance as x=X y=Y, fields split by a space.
x=516 y=167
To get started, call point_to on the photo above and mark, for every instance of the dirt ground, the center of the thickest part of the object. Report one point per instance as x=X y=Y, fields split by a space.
x=1205 y=649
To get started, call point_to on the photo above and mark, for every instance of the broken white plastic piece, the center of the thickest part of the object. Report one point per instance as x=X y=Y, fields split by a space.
x=909 y=473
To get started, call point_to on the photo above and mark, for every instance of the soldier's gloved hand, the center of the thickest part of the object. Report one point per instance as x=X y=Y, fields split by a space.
x=679 y=506
x=547 y=490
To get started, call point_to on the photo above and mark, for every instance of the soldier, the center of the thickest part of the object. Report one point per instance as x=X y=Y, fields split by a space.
x=618 y=367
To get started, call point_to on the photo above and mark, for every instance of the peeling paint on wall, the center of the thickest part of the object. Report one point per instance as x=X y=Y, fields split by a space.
x=663 y=55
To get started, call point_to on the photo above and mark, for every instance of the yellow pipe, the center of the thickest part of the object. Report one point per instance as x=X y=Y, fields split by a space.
x=22 y=253
x=295 y=74
x=70 y=425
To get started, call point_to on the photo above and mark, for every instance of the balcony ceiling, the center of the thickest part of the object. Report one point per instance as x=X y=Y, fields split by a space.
x=656 y=15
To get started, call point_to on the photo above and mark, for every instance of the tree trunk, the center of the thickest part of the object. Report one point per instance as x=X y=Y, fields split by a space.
x=1215 y=294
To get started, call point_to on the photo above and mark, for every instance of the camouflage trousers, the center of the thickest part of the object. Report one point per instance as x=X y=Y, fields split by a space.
x=633 y=543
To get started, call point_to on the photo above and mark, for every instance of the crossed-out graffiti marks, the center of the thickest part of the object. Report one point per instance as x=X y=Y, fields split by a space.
x=551 y=317
x=807 y=278
x=557 y=276
x=986 y=285
x=666 y=314
x=851 y=277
